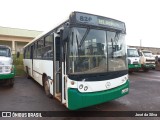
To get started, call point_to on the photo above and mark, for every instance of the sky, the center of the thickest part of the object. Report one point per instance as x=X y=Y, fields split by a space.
x=142 y=17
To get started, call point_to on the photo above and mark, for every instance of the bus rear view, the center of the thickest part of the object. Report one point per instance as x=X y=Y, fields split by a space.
x=6 y=68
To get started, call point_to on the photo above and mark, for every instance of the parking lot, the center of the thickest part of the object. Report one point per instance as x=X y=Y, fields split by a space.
x=27 y=95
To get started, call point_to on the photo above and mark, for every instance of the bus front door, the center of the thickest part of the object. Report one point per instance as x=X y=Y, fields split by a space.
x=58 y=70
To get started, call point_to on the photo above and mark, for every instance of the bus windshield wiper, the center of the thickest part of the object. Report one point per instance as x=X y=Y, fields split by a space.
x=84 y=37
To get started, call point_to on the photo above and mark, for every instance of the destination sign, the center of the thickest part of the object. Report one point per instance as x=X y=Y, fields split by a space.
x=111 y=23
x=98 y=21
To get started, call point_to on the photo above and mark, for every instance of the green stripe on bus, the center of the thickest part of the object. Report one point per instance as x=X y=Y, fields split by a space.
x=77 y=100
x=6 y=76
x=134 y=66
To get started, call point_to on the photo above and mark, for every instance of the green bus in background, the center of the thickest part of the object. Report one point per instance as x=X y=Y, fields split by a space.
x=7 y=70
x=133 y=60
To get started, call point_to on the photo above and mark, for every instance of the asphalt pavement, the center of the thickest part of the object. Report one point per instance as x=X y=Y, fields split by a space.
x=28 y=95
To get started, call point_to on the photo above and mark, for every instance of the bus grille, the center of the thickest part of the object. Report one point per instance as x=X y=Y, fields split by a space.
x=5 y=69
x=150 y=60
x=135 y=63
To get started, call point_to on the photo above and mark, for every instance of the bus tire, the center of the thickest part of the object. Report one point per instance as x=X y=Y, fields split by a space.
x=11 y=82
x=130 y=72
x=46 y=87
x=27 y=73
x=146 y=70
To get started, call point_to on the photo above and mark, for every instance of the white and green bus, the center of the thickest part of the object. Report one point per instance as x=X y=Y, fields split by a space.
x=7 y=70
x=82 y=62
x=133 y=60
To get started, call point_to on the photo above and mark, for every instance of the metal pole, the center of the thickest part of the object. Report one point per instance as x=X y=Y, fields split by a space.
x=140 y=43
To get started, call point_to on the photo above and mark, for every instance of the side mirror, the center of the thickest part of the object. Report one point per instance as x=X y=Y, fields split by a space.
x=18 y=54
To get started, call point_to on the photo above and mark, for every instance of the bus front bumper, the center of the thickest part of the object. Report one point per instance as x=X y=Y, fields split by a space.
x=6 y=76
x=149 y=66
x=134 y=66
x=77 y=100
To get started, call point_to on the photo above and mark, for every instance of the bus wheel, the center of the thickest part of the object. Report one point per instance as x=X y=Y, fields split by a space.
x=146 y=70
x=46 y=87
x=27 y=73
x=11 y=82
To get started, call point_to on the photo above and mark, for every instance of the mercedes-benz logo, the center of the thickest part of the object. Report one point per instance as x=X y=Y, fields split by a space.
x=108 y=84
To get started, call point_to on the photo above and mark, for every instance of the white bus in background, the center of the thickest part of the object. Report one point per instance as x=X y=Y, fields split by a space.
x=133 y=60
x=147 y=60
x=75 y=64
x=7 y=69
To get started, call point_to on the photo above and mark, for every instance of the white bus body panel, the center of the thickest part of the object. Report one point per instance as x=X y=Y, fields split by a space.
x=39 y=68
x=27 y=63
x=5 y=60
x=95 y=86
x=134 y=59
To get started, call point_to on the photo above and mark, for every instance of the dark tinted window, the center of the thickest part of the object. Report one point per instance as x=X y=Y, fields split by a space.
x=4 y=51
x=40 y=45
x=47 y=51
x=35 y=50
x=28 y=52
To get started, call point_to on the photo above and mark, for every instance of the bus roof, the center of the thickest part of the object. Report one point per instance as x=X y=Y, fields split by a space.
x=96 y=20
x=4 y=46
x=88 y=19
x=44 y=34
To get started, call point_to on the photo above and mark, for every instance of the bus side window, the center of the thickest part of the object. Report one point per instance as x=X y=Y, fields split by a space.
x=47 y=51
x=40 y=45
x=26 y=49
x=32 y=51
x=28 y=52
x=35 y=50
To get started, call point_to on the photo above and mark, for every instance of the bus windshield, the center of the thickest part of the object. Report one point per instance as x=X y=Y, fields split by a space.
x=93 y=51
x=147 y=54
x=132 y=53
x=5 y=52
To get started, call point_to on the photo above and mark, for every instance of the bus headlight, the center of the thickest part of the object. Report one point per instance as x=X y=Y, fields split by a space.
x=85 y=88
x=80 y=86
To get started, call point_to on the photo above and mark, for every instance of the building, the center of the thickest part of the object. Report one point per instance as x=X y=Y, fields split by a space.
x=16 y=38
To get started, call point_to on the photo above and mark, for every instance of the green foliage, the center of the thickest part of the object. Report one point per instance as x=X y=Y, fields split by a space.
x=18 y=62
